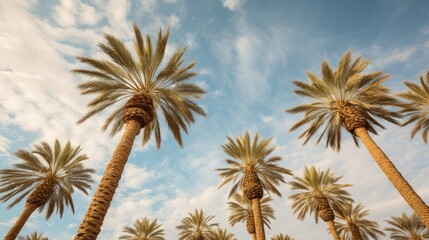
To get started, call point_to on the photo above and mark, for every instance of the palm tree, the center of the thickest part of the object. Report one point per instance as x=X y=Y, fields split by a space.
x=407 y=228
x=281 y=237
x=222 y=234
x=196 y=226
x=417 y=106
x=256 y=170
x=143 y=230
x=139 y=89
x=319 y=193
x=347 y=97
x=353 y=225
x=241 y=211
x=48 y=176
x=33 y=236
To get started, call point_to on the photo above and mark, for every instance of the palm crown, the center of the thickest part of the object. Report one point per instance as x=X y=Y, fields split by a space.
x=143 y=230
x=404 y=228
x=124 y=76
x=314 y=186
x=241 y=207
x=417 y=106
x=59 y=166
x=196 y=226
x=349 y=216
x=222 y=234
x=249 y=156
x=33 y=236
x=281 y=237
x=344 y=96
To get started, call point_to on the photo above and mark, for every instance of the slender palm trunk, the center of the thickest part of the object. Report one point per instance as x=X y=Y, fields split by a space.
x=254 y=236
x=333 y=230
x=395 y=177
x=355 y=232
x=259 y=223
x=91 y=224
x=16 y=228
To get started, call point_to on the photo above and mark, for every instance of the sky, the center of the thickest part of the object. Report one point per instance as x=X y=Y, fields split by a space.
x=248 y=54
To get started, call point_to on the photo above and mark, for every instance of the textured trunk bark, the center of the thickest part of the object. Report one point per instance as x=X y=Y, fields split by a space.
x=259 y=223
x=91 y=224
x=395 y=177
x=16 y=228
x=355 y=232
x=254 y=236
x=333 y=230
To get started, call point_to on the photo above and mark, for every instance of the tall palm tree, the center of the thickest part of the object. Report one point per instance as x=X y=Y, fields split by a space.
x=241 y=211
x=407 y=228
x=48 y=176
x=318 y=194
x=196 y=226
x=352 y=223
x=222 y=234
x=143 y=230
x=255 y=170
x=347 y=97
x=417 y=106
x=33 y=236
x=139 y=89
x=281 y=237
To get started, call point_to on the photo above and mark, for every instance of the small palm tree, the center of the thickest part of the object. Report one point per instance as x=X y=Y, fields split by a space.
x=347 y=97
x=33 y=236
x=143 y=230
x=48 y=176
x=281 y=237
x=222 y=234
x=241 y=211
x=256 y=170
x=196 y=226
x=139 y=89
x=352 y=223
x=407 y=228
x=319 y=193
x=417 y=106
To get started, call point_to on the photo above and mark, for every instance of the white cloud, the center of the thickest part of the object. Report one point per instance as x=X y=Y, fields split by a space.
x=88 y=15
x=4 y=144
x=232 y=4
x=384 y=57
x=64 y=13
x=134 y=176
x=174 y=21
x=148 y=5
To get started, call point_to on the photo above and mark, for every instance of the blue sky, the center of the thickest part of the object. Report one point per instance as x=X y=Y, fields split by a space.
x=248 y=54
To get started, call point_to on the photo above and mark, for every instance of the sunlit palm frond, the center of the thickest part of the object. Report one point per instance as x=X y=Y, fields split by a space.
x=316 y=183
x=222 y=234
x=63 y=165
x=280 y=236
x=33 y=236
x=407 y=227
x=143 y=229
x=346 y=85
x=125 y=73
x=195 y=225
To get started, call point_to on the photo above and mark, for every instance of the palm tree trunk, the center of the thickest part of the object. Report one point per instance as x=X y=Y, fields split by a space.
x=355 y=232
x=254 y=236
x=333 y=230
x=16 y=228
x=257 y=214
x=91 y=224
x=395 y=177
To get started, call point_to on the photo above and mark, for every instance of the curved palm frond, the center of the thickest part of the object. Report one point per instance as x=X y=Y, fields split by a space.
x=348 y=216
x=347 y=85
x=33 y=236
x=61 y=165
x=143 y=229
x=407 y=227
x=222 y=234
x=252 y=156
x=314 y=184
x=280 y=236
x=116 y=80
x=416 y=107
x=196 y=226
x=240 y=206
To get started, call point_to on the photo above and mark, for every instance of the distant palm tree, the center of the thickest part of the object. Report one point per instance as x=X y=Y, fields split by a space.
x=407 y=228
x=417 y=106
x=241 y=211
x=347 y=97
x=196 y=226
x=33 y=236
x=255 y=170
x=281 y=237
x=318 y=194
x=139 y=89
x=222 y=234
x=48 y=176
x=143 y=230
x=352 y=223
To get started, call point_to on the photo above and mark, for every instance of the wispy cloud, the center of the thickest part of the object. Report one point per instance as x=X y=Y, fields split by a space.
x=232 y=5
